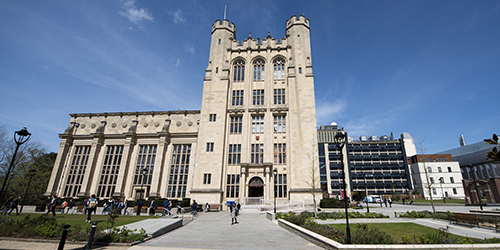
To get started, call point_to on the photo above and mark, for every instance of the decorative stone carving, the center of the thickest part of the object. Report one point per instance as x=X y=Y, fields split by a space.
x=178 y=124
x=124 y=125
x=93 y=126
x=113 y=125
x=82 y=126
x=157 y=124
x=146 y=124
x=190 y=123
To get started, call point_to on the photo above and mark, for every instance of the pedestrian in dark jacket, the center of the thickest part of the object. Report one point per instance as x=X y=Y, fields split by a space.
x=14 y=204
x=7 y=205
x=139 y=207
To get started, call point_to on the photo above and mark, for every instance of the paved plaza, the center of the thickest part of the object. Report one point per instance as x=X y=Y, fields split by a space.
x=213 y=230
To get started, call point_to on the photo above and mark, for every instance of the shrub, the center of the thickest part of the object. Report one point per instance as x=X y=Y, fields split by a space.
x=366 y=235
x=47 y=229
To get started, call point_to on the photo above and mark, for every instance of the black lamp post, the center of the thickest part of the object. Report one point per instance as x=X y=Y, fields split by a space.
x=341 y=140
x=144 y=172
x=31 y=173
x=275 y=171
x=20 y=137
x=366 y=194
x=471 y=171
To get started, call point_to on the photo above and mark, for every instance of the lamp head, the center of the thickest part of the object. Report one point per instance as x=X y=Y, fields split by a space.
x=22 y=136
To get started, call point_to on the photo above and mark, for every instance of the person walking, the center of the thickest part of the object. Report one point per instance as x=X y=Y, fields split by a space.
x=64 y=204
x=139 y=207
x=71 y=204
x=85 y=206
x=179 y=209
x=7 y=205
x=125 y=210
x=167 y=205
x=194 y=207
x=385 y=202
x=52 y=206
x=234 y=214
x=390 y=202
x=238 y=207
x=152 y=208
x=14 y=204
x=104 y=208
x=207 y=207
x=92 y=206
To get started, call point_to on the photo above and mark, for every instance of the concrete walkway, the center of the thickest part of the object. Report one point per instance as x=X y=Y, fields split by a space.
x=214 y=231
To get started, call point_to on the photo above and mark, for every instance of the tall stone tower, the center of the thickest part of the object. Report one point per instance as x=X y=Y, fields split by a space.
x=257 y=132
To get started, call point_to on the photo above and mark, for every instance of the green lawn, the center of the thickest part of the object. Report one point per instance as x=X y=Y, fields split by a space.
x=396 y=230
x=79 y=219
x=440 y=201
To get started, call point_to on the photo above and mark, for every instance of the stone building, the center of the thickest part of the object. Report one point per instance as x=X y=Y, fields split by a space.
x=253 y=137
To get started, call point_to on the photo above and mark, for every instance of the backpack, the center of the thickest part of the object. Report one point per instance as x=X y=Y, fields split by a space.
x=92 y=203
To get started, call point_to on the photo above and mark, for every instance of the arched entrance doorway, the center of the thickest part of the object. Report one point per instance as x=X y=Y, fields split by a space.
x=256 y=187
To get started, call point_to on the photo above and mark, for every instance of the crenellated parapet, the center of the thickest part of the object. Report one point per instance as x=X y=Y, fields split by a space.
x=224 y=24
x=294 y=20
x=251 y=44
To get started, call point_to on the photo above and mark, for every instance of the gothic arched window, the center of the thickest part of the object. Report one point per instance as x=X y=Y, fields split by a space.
x=239 y=71
x=258 y=70
x=279 y=69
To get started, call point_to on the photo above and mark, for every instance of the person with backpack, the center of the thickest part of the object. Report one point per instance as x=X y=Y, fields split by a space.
x=167 y=205
x=71 y=204
x=92 y=206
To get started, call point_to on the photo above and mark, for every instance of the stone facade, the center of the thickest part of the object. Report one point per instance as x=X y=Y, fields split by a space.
x=257 y=121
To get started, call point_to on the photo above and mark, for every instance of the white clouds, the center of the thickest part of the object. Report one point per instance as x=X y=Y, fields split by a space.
x=177 y=63
x=326 y=111
x=189 y=48
x=135 y=14
x=177 y=16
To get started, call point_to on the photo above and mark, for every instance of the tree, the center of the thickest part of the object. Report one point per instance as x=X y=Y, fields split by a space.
x=314 y=179
x=428 y=184
x=30 y=155
x=494 y=153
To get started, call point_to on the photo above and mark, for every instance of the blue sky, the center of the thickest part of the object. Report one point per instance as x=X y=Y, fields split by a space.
x=429 y=68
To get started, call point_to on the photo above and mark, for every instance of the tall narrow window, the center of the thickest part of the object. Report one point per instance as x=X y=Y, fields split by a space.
x=258 y=97
x=279 y=124
x=279 y=96
x=257 y=153
x=239 y=71
x=210 y=147
x=452 y=180
x=146 y=161
x=279 y=69
x=258 y=70
x=207 y=178
x=236 y=124
x=440 y=170
x=109 y=172
x=179 y=170
x=258 y=124
x=233 y=186
x=280 y=184
x=280 y=153
x=234 y=154
x=213 y=117
x=237 y=98
x=77 y=171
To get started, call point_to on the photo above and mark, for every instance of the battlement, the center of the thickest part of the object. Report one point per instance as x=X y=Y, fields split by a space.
x=294 y=20
x=224 y=24
x=259 y=44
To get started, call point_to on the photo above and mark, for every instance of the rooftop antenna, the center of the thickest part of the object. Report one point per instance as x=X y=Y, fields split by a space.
x=225 y=7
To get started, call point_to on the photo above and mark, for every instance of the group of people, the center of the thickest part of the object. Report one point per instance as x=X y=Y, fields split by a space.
x=11 y=204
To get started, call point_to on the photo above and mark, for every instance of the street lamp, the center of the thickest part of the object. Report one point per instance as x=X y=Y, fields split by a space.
x=20 y=137
x=341 y=140
x=31 y=173
x=366 y=194
x=471 y=172
x=275 y=171
x=144 y=172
